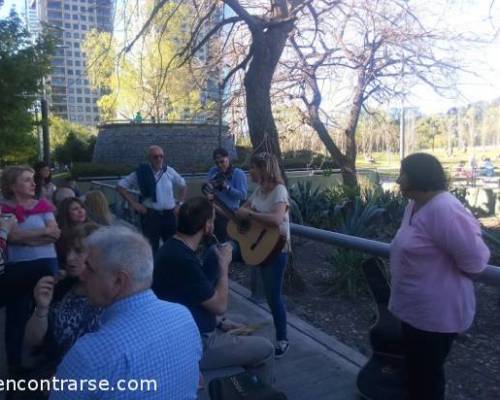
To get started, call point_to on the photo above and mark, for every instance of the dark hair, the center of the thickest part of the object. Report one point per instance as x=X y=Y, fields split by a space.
x=220 y=152
x=63 y=212
x=193 y=215
x=76 y=235
x=39 y=180
x=424 y=172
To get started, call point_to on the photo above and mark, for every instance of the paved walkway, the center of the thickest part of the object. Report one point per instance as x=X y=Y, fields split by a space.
x=317 y=367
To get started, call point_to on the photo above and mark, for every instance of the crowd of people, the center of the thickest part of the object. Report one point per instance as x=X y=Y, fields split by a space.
x=87 y=297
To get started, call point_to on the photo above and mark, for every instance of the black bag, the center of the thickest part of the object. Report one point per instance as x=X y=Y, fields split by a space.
x=242 y=386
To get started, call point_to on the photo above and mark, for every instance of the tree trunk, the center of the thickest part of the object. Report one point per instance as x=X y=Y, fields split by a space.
x=266 y=51
x=349 y=172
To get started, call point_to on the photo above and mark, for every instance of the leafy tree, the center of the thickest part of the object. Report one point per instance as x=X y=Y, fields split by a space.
x=60 y=129
x=22 y=66
x=75 y=149
x=149 y=79
x=430 y=132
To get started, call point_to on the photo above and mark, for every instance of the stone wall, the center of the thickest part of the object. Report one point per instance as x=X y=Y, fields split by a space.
x=187 y=146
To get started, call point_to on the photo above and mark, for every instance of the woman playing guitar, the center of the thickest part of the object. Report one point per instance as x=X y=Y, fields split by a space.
x=269 y=205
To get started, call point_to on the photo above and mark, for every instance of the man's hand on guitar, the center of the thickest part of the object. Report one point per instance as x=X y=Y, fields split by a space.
x=224 y=253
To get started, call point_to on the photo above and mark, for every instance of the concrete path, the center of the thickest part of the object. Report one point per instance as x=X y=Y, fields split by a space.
x=316 y=367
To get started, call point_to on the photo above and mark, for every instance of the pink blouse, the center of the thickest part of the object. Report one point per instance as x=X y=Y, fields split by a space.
x=431 y=256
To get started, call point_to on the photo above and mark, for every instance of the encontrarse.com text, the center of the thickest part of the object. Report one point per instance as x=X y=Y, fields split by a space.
x=78 y=385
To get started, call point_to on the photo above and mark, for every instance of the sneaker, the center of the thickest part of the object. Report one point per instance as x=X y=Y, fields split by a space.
x=281 y=348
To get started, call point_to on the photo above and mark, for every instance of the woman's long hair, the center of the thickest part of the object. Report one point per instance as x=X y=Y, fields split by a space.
x=269 y=169
x=39 y=180
x=98 y=208
x=63 y=219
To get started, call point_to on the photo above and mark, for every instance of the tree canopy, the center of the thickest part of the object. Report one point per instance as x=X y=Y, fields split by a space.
x=23 y=64
x=147 y=77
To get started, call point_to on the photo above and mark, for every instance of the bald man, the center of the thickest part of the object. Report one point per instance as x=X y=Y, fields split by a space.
x=156 y=181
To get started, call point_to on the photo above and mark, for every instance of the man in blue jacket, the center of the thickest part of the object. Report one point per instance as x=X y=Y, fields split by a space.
x=230 y=185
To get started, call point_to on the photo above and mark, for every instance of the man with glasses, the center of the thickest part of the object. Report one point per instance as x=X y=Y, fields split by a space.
x=156 y=182
x=231 y=186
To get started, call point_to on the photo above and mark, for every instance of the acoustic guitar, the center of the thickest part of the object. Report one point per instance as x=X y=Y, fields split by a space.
x=384 y=375
x=258 y=242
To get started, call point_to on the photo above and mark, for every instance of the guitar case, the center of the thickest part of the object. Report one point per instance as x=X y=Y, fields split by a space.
x=383 y=376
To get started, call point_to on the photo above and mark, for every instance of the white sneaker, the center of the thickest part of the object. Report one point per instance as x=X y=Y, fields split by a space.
x=281 y=348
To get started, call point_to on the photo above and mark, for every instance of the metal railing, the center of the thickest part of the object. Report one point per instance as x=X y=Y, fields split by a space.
x=491 y=276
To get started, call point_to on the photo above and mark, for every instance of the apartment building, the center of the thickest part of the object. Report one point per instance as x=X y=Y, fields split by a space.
x=70 y=94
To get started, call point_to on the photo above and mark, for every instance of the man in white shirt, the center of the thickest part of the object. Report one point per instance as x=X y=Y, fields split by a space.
x=156 y=182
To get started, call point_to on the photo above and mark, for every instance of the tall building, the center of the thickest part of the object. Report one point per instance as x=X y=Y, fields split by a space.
x=31 y=16
x=70 y=94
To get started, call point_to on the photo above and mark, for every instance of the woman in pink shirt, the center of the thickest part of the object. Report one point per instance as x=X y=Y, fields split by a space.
x=434 y=255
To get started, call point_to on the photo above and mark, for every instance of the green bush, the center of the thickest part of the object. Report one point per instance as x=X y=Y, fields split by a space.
x=88 y=169
x=308 y=205
x=75 y=149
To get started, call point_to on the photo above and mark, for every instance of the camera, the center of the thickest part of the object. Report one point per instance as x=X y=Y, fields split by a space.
x=218 y=181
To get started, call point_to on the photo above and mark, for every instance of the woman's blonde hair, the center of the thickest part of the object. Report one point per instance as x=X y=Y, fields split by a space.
x=268 y=167
x=98 y=208
x=9 y=177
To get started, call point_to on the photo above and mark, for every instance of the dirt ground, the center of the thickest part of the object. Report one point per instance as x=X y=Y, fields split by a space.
x=473 y=368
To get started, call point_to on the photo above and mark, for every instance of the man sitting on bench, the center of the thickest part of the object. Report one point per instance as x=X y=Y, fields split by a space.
x=180 y=277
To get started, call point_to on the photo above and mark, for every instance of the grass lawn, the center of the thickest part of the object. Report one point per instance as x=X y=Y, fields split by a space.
x=389 y=162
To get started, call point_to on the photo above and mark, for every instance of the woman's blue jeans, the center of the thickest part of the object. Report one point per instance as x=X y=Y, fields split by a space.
x=272 y=273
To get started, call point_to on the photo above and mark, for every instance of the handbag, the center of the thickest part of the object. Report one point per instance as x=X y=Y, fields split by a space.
x=242 y=386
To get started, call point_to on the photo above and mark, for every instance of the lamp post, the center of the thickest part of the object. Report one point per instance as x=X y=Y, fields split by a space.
x=221 y=91
x=402 y=143
x=45 y=129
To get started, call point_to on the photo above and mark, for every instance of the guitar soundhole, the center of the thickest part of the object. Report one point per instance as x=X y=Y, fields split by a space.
x=243 y=226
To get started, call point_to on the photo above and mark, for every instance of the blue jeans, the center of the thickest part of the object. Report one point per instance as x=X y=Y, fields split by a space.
x=272 y=273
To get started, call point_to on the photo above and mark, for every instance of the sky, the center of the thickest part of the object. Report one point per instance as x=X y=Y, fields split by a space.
x=477 y=17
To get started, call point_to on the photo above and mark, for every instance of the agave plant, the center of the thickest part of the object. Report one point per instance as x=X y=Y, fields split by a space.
x=352 y=217
x=307 y=203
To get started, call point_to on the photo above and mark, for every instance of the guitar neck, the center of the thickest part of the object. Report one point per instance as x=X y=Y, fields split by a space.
x=228 y=212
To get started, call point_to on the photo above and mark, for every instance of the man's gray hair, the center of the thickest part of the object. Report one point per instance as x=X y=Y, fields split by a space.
x=121 y=248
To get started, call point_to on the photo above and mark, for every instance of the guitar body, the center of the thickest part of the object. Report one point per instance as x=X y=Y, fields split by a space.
x=258 y=242
x=383 y=377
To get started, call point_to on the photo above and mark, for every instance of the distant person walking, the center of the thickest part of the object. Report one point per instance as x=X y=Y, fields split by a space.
x=472 y=171
x=156 y=182
x=435 y=254
x=138 y=118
